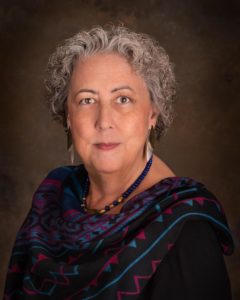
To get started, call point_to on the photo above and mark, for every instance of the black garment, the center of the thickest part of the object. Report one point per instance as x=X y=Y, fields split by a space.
x=62 y=253
x=191 y=270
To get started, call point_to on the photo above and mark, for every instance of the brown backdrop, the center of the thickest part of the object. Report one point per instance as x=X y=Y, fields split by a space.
x=202 y=38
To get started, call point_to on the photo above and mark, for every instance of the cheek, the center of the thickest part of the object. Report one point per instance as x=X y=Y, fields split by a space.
x=80 y=132
x=137 y=127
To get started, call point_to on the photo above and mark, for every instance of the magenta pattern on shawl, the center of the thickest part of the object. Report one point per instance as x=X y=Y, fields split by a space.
x=63 y=253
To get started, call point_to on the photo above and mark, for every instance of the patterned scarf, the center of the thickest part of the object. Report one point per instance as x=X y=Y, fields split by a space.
x=62 y=252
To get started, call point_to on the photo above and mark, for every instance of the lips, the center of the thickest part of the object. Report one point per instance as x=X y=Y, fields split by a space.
x=106 y=146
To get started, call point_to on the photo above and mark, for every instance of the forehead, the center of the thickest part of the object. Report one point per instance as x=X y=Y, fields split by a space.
x=107 y=67
x=103 y=59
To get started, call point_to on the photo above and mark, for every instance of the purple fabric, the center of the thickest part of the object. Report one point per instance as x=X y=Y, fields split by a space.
x=62 y=252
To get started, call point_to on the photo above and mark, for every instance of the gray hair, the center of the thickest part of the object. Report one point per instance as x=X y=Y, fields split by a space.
x=142 y=52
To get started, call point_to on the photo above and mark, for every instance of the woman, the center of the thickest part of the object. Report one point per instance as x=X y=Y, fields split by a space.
x=122 y=225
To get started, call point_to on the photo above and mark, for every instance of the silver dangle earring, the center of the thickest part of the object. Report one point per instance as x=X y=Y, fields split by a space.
x=150 y=143
x=152 y=137
x=70 y=147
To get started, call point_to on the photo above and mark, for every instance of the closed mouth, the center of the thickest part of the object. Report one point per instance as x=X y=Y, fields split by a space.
x=106 y=146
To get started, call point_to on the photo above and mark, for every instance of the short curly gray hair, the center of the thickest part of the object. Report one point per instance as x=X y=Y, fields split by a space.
x=142 y=52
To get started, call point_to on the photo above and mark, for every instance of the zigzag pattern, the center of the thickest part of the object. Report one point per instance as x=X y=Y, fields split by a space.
x=136 y=280
x=64 y=241
x=59 y=278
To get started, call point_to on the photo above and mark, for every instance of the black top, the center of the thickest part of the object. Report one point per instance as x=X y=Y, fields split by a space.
x=194 y=269
x=61 y=252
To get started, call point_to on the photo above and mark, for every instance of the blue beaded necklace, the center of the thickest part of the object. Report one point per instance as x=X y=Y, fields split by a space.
x=118 y=201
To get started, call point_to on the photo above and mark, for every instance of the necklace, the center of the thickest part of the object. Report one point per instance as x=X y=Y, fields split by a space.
x=118 y=201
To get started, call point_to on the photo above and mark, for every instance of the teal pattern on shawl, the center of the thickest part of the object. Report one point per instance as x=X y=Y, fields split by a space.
x=62 y=252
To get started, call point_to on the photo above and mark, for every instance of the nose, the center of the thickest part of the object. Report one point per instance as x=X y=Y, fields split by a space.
x=104 y=118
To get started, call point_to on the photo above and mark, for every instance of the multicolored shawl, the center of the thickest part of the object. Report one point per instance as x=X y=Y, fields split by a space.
x=63 y=253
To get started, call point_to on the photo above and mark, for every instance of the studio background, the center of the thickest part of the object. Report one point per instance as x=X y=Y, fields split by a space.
x=202 y=38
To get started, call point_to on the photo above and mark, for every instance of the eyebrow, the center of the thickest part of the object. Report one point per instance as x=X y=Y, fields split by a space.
x=124 y=87
x=86 y=91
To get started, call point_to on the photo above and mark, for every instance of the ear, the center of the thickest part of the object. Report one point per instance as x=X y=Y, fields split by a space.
x=68 y=122
x=154 y=114
x=67 y=114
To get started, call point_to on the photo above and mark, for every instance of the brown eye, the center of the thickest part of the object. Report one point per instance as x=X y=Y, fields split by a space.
x=123 y=100
x=86 y=101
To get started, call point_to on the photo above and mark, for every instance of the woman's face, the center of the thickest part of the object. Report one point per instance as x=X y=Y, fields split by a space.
x=109 y=113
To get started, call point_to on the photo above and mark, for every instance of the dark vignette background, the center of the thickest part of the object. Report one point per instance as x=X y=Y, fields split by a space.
x=202 y=38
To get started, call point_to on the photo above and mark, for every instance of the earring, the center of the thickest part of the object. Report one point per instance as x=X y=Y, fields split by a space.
x=150 y=143
x=148 y=151
x=152 y=137
x=70 y=147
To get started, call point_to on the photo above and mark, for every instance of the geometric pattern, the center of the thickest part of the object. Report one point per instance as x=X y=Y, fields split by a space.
x=62 y=252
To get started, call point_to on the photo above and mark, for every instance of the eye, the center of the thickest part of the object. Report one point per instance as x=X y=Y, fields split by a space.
x=123 y=100
x=86 y=101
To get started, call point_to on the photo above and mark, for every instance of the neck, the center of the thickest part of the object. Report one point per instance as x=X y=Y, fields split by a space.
x=107 y=187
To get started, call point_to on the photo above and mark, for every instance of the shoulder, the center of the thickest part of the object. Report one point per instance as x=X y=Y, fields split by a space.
x=58 y=177
x=196 y=235
x=197 y=244
x=62 y=172
x=56 y=181
x=195 y=266
x=200 y=257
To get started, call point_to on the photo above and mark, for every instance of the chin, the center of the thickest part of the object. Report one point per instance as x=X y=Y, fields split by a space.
x=107 y=164
x=108 y=167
